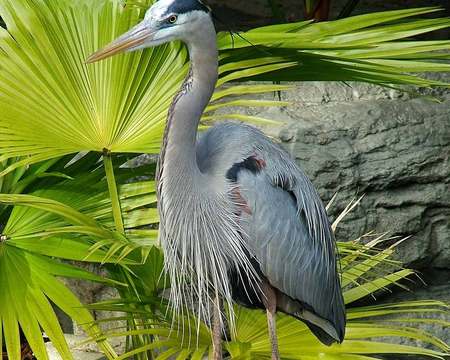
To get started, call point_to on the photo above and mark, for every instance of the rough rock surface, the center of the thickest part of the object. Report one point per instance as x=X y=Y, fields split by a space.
x=79 y=350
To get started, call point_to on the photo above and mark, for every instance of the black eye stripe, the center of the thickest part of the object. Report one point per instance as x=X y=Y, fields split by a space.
x=185 y=6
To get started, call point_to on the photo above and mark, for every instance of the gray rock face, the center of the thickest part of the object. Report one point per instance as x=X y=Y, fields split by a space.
x=79 y=352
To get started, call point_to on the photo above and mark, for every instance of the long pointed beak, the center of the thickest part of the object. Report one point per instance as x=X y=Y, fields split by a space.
x=126 y=42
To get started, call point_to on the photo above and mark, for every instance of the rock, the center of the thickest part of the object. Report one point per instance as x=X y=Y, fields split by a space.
x=86 y=291
x=78 y=350
x=105 y=294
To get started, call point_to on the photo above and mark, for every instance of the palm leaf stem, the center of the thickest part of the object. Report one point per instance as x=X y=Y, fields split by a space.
x=114 y=195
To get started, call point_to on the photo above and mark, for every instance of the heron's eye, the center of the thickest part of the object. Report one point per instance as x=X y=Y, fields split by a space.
x=172 y=19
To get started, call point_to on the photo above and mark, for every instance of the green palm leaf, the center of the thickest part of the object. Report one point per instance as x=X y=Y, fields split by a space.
x=71 y=219
x=360 y=48
x=65 y=218
x=54 y=104
x=296 y=341
x=29 y=282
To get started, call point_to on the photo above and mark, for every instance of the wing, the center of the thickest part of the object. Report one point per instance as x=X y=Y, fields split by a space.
x=294 y=261
x=287 y=231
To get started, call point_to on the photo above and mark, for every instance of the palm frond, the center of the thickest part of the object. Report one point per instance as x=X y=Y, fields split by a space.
x=29 y=285
x=66 y=218
x=72 y=219
x=375 y=48
x=296 y=341
x=54 y=104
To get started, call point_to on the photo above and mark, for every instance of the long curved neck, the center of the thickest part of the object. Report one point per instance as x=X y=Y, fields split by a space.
x=178 y=154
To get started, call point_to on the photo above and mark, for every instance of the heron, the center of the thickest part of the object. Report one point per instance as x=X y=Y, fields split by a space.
x=238 y=217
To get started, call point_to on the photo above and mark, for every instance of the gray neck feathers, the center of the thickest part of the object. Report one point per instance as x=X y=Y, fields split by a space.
x=198 y=228
x=178 y=151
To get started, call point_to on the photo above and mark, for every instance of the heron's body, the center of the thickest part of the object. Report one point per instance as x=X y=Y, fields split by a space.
x=237 y=214
x=273 y=196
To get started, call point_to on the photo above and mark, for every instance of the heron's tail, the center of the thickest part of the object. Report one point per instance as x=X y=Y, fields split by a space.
x=323 y=329
x=328 y=328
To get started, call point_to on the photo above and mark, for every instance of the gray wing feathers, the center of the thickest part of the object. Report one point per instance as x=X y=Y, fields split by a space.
x=279 y=237
x=288 y=230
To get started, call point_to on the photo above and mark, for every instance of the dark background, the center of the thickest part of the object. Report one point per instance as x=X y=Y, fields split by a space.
x=239 y=14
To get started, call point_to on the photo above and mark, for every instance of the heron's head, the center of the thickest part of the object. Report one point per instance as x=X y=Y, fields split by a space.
x=165 y=21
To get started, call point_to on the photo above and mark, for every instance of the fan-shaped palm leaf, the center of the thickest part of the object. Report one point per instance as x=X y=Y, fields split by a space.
x=29 y=285
x=54 y=104
x=68 y=218
x=76 y=214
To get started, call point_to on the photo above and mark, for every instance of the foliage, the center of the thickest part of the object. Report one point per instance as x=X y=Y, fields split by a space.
x=365 y=272
x=66 y=106
x=67 y=131
x=365 y=269
x=361 y=48
x=28 y=272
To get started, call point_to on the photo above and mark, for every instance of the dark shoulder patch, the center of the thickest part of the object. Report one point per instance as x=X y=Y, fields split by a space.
x=185 y=6
x=252 y=164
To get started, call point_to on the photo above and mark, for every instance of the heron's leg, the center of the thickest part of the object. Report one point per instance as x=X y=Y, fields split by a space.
x=217 y=330
x=270 y=302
